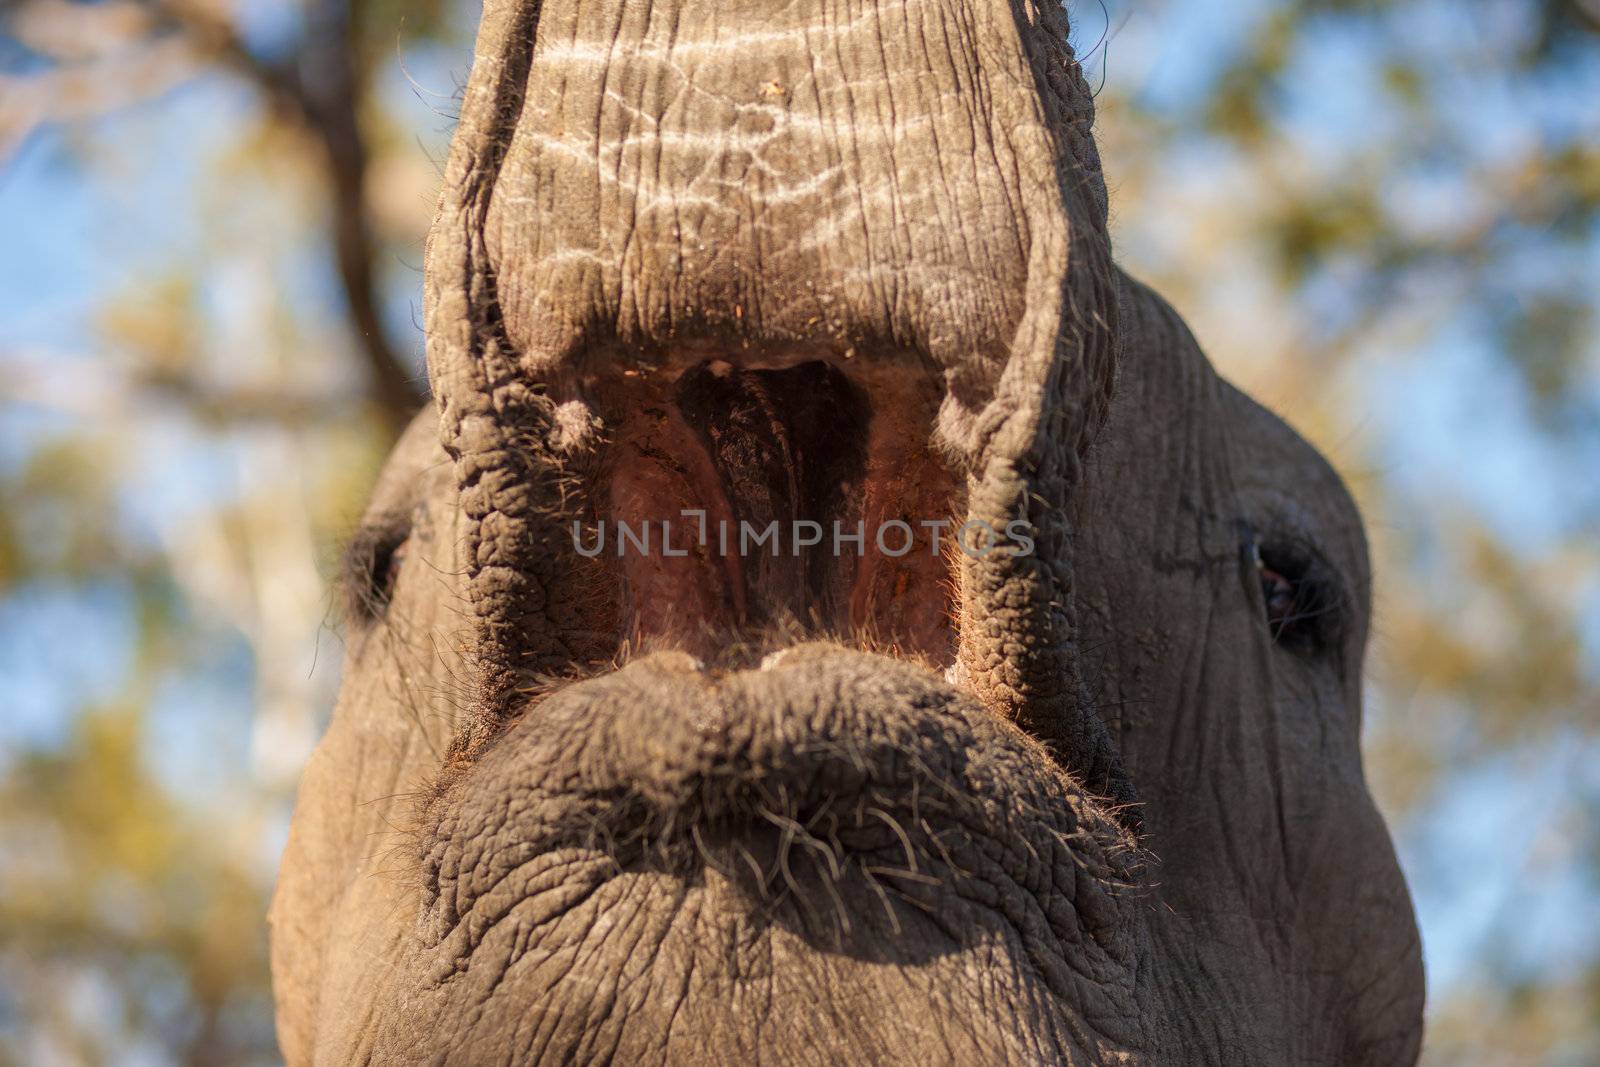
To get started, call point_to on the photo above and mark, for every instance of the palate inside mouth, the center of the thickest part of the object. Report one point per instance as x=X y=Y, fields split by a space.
x=746 y=498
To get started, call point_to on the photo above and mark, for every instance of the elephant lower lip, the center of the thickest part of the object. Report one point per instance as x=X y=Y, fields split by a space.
x=678 y=765
x=831 y=808
x=804 y=497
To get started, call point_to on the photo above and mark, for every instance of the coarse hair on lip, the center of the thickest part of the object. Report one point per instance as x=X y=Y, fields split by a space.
x=826 y=766
x=732 y=652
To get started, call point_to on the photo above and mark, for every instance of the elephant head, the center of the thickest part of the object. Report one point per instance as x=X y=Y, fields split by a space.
x=829 y=613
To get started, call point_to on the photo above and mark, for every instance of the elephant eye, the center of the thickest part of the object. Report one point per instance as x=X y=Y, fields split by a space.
x=371 y=568
x=1278 y=593
x=387 y=570
x=1300 y=595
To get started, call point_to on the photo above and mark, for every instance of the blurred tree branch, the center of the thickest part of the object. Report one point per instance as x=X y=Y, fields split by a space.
x=328 y=111
x=319 y=89
x=49 y=382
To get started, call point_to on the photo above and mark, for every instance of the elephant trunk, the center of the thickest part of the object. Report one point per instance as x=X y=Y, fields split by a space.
x=906 y=191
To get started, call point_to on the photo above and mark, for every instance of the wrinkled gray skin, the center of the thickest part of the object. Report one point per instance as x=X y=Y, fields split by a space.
x=1122 y=821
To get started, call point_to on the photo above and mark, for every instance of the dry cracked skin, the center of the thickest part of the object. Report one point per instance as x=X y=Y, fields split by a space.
x=607 y=783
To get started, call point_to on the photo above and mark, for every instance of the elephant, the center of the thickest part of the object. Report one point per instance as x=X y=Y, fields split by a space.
x=1020 y=720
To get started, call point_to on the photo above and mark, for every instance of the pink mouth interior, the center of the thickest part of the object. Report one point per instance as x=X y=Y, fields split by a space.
x=810 y=450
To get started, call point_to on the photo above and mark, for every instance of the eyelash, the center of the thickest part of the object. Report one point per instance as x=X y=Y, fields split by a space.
x=372 y=564
x=1301 y=597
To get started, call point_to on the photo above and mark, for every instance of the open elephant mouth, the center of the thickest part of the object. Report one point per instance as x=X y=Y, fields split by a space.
x=727 y=495
x=791 y=778
x=788 y=780
x=799 y=492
